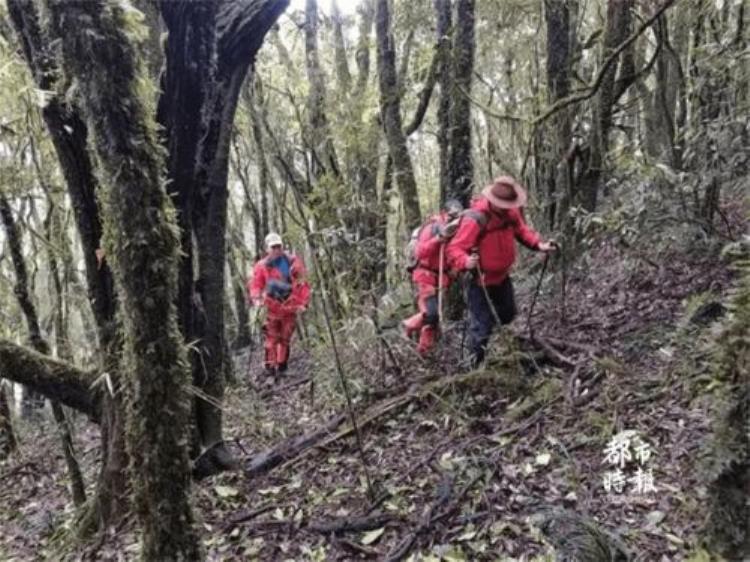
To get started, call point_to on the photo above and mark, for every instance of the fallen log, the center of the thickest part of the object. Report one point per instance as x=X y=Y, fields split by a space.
x=267 y=460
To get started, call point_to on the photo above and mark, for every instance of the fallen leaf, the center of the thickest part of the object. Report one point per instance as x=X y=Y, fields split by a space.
x=543 y=459
x=371 y=536
x=226 y=491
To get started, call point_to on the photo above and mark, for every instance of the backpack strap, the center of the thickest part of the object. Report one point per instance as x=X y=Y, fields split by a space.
x=478 y=217
x=482 y=219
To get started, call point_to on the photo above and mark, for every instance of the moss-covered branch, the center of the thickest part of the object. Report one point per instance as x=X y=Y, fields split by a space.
x=56 y=380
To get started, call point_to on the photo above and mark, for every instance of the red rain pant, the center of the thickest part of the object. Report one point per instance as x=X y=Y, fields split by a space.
x=426 y=320
x=278 y=332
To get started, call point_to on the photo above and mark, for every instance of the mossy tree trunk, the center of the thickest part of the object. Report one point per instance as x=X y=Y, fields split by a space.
x=142 y=245
x=728 y=451
x=7 y=437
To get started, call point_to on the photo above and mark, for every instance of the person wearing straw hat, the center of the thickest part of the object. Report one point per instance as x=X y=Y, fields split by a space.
x=278 y=283
x=430 y=275
x=485 y=244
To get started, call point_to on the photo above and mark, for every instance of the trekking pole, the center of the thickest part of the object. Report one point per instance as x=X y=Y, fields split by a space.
x=465 y=290
x=536 y=294
x=440 y=286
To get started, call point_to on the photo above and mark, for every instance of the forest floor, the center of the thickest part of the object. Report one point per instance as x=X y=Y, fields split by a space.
x=461 y=466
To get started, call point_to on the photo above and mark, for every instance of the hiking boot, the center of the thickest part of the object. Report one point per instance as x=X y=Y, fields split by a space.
x=426 y=340
x=412 y=325
x=282 y=367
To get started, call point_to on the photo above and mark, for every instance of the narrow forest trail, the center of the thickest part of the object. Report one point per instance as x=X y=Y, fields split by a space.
x=463 y=465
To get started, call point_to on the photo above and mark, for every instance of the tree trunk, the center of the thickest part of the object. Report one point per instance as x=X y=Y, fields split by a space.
x=727 y=455
x=69 y=137
x=187 y=84
x=342 y=66
x=239 y=294
x=264 y=173
x=144 y=251
x=443 y=10
x=617 y=28
x=461 y=166
x=32 y=401
x=556 y=167
x=53 y=378
x=390 y=105
x=240 y=29
x=54 y=231
x=8 y=443
x=322 y=153
x=38 y=342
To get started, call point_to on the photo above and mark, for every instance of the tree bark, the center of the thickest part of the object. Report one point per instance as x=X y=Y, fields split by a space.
x=390 y=105
x=187 y=84
x=239 y=31
x=461 y=166
x=343 y=75
x=264 y=173
x=727 y=454
x=143 y=248
x=32 y=401
x=8 y=443
x=53 y=230
x=323 y=158
x=241 y=27
x=69 y=138
x=443 y=9
x=556 y=167
x=55 y=379
x=617 y=30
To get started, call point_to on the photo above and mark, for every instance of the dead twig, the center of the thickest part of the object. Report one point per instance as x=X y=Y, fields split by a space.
x=276 y=390
x=358 y=548
x=246 y=516
x=445 y=491
x=352 y=524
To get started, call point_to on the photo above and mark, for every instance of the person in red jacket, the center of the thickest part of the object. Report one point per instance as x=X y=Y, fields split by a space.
x=278 y=283
x=485 y=244
x=431 y=238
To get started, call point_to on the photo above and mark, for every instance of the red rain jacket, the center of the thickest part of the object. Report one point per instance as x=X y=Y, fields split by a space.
x=427 y=253
x=263 y=273
x=495 y=240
